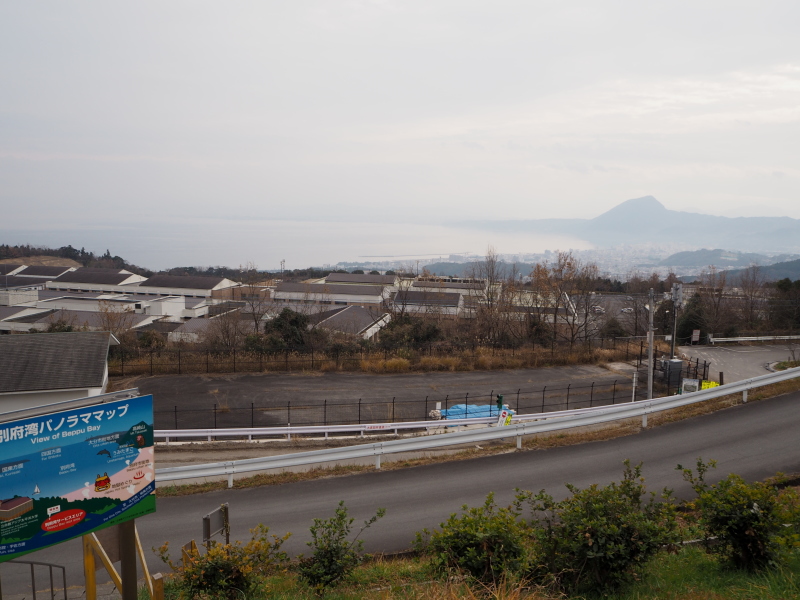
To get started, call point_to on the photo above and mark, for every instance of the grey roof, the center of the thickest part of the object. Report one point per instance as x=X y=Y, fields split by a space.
x=194 y=326
x=159 y=326
x=51 y=361
x=317 y=317
x=14 y=281
x=324 y=288
x=195 y=282
x=428 y=298
x=43 y=271
x=7 y=268
x=47 y=294
x=364 y=279
x=352 y=319
x=98 y=276
x=88 y=318
x=10 y=311
x=32 y=317
x=193 y=302
x=447 y=285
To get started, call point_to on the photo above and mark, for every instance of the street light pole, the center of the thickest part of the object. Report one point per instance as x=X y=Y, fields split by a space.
x=677 y=297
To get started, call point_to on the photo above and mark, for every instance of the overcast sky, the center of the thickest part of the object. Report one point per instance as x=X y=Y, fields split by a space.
x=409 y=111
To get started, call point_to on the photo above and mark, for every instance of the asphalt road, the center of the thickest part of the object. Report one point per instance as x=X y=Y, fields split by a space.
x=754 y=440
x=739 y=362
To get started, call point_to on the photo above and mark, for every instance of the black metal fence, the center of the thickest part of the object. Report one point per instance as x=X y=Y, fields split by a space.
x=126 y=362
x=394 y=410
x=398 y=409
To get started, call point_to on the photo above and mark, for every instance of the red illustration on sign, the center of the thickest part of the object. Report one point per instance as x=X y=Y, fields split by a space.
x=64 y=520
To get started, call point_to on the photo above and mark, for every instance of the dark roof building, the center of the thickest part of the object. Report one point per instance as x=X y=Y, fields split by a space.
x=17 y=281
x=50 y=367
x=352 y=320
x=198 y=282
x=94 y=277
x=428 y=298
x=440 y=304
x=8 y=269
x=448 y=285
x=44 y=271
x=355 y=278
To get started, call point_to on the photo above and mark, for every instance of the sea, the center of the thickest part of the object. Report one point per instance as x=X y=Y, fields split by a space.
x=204 y=241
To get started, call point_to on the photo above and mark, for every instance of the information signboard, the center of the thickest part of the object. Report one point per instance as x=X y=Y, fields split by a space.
x=66 y=474
x=690 y=385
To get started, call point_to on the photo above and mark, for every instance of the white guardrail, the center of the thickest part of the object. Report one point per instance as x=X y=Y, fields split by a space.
x=763 y=338
x=523 y=425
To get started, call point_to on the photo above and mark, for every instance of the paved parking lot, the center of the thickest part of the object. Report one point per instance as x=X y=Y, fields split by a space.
x=740 y=362
x=269 y=399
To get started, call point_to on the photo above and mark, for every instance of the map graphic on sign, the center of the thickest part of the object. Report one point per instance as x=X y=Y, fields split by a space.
x=66 y=474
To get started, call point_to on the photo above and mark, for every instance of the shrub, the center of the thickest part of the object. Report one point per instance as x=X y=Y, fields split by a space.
x=485 y=542
x=397 y=365
x=744 y=518
x=228 y=570
x=333 y=557
x=600 y=536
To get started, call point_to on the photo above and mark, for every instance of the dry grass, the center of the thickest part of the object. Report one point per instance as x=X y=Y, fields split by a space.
x=167 y=362
x=440 y=363
x=322 y=472
x=392 y=365
x=42 y=261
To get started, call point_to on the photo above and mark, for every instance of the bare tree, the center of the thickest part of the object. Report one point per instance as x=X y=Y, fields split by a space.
x=487 y=301
x=752 y=284
x=398 y=304
x=714 y=311
x=117 y=319
x=227 y=331
x=635 y=317
x=566 y=287
x=62 y=321
x=255 y=295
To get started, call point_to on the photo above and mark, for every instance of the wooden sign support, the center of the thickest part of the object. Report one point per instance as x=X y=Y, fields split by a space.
x=119 y=543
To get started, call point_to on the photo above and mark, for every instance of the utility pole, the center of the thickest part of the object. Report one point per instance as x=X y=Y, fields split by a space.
x=677 y=303
x=651 y=310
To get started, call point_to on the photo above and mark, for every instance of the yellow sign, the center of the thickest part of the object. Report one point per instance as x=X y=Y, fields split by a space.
x=708 y=385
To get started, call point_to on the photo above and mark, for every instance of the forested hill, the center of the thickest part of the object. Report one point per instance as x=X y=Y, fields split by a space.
x=86 y=259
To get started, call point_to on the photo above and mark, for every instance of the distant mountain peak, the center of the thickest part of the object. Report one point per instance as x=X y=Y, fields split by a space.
x=646 y=206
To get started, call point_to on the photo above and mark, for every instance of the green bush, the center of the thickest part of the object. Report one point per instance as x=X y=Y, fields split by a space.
x=485 y=542
x=743 y=519
x=333 y=557
x=228 y=570
x=599 y=537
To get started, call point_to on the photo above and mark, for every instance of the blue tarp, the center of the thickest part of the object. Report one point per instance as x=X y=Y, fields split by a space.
x=470 y=411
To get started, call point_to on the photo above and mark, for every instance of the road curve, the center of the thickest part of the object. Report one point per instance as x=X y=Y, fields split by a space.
x=754 y=440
